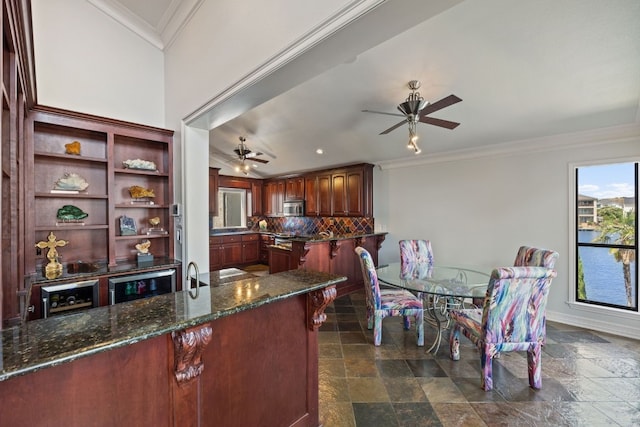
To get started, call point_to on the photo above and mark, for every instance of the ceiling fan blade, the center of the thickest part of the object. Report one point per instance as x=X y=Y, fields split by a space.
x=252 y=154
x=382 y=112
x=439 y=122
x=255 y=159
x=384 y=132
x=438 y=105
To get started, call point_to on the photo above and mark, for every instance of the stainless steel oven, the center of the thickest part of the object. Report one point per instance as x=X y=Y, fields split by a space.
x=293 y=208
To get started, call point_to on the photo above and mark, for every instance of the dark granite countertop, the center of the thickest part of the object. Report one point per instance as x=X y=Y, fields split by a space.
x=48 y=342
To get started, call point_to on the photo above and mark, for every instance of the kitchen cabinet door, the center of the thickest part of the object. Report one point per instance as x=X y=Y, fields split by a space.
x=354 y=192
x=250 y=248
x=256 y=198
x=231 y=254
x=339 y=194
x=324 y=195
x=311 y=196
x=294 y=189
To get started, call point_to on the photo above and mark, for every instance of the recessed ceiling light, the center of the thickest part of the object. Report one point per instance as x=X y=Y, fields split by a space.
x=320 y=151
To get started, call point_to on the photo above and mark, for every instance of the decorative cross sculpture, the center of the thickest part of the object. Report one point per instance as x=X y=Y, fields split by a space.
x=53 y=268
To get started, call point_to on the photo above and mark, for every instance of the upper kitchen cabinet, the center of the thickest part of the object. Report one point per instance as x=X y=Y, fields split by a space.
x=256 y=197
x=342 y=192
x=294 y=189
x=273 y=197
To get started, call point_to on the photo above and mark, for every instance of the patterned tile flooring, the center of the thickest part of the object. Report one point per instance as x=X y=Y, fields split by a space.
x=588 y=378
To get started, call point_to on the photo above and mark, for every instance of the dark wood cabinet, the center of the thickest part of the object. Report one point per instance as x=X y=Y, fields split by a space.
x=234 y=250
x=215 y=253
x=250 y=248
x=355 y=192
x=294 y=188
x=273 y=197
x=324 y=195
x=265 y=241
x=311 y=195
x=256 y=197
x=213 y=191
x=340 y=192
x=279 y=260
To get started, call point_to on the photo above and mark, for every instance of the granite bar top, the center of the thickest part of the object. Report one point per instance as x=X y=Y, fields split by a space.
x=48 y=342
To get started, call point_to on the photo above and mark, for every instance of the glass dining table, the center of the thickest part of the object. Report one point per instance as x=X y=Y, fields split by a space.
x=442 y=288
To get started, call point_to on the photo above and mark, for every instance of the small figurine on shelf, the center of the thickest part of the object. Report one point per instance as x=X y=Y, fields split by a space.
x=72 y=148
x=143 y=252
x=53 y=269
x=128 y=226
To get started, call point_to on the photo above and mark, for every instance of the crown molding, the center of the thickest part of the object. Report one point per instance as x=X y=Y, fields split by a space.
x=349 y=13
x=172 y=22
x=565 y=141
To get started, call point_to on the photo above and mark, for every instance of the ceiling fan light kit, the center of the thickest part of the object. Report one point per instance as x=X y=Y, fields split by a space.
x=415 y=109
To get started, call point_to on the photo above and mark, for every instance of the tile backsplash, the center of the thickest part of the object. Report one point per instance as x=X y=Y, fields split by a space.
x=307 y=225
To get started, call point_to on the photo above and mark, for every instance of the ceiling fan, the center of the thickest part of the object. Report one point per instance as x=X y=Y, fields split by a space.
x=245 y=154
x=416 y=109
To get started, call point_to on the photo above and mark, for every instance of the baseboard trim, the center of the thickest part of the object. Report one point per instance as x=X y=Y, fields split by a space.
x=614 y=328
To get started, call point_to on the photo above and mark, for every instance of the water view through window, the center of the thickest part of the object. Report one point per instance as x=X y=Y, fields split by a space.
x=606 y=208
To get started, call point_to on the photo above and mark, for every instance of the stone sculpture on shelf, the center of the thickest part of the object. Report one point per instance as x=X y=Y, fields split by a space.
x=144 y=256
x=143 y=247
x=71 y=182
x=140 y=164
x=72 y=148
x=127 y=226
x=138 y=192
x=71 y=213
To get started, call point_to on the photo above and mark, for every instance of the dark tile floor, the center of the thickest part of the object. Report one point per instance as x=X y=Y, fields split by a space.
x=588 y=378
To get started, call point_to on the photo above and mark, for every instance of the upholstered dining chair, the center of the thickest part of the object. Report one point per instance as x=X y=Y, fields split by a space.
x=512 y=319
x=529 y=256
x=382 y=303
x=416 y=256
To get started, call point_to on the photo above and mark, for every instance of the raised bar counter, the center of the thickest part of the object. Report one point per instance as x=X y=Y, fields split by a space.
x=258 y=327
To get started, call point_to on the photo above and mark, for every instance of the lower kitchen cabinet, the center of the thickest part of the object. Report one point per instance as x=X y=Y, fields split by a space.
x=234 y=250
x=265 y=241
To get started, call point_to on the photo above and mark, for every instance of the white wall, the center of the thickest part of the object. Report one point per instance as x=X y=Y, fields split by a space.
x=87 y=62
x=480 y=209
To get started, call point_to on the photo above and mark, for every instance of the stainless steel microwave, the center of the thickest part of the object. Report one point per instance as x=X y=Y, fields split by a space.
x=293 y=208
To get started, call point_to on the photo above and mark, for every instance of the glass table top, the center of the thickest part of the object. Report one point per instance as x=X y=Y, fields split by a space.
x=462 y=282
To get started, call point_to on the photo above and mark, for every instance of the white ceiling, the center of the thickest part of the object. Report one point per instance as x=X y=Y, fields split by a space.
x=524 y=70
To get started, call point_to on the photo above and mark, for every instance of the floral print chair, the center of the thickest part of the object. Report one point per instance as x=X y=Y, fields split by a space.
x=529 y=256
x=388 y=302
x=416 y=258
x=512 y=319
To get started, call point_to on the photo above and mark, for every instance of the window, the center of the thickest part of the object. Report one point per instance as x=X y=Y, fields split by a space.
x=606 y=228
x=232 y=208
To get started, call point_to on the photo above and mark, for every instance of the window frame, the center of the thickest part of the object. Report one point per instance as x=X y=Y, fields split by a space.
x=597 y=307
